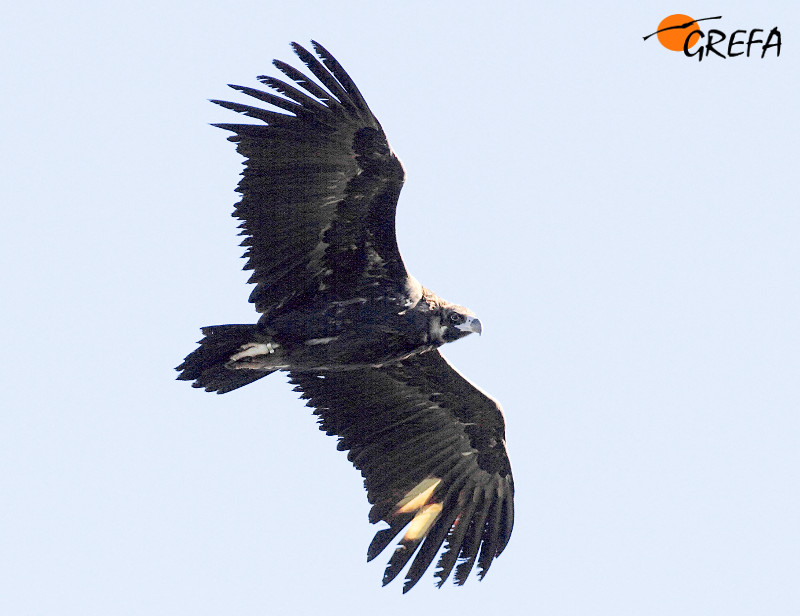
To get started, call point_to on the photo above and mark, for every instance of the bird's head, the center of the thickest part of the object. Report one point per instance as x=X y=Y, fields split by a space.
x=450 y=322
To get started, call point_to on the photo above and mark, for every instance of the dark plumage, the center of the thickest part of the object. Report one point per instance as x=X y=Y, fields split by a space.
x=357 y=334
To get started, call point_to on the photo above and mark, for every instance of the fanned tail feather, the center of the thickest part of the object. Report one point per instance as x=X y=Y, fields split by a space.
x=206 y=364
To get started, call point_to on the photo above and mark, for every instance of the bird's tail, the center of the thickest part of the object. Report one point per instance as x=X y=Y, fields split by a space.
x=212 y=365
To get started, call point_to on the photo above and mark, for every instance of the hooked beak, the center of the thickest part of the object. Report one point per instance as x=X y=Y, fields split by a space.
x=472 y=324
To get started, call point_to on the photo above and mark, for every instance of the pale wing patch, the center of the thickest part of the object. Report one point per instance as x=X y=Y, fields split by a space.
x=423 y=521
x=418 y=496
x=417 y=500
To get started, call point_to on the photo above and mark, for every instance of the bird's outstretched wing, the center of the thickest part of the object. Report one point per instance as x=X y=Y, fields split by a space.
x=319 y=190
x=431 y=448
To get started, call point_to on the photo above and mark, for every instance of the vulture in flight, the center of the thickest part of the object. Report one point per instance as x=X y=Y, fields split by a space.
x=358 y=335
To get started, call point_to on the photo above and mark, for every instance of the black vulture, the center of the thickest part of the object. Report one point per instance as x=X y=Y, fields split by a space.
x=358 y=334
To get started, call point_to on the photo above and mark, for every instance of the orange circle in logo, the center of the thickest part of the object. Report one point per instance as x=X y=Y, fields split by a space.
x=675 y=38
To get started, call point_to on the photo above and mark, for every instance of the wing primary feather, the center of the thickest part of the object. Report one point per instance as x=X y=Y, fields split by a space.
x=430 y=547
x=323 y=74
x=508 y=518
x=471 y=544
x=385 y=536
x=454 y=478
x=253 y=131
x=267 y=97
x=455 y=540
x=269 y=117
x=341 y=75
x=304 y=82
x=402 y=554
x=505 y=494
x=489 y=543
x=293 y=93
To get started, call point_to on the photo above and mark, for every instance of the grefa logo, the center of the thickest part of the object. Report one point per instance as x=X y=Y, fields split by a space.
x=682 y=33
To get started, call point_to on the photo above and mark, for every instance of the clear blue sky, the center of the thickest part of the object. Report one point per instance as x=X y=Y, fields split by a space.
x=625 y=221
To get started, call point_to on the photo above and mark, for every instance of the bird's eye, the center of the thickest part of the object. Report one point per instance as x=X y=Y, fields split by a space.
x=456 y=319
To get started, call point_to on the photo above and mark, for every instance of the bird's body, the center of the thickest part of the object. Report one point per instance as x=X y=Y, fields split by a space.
x=357 y=334
x=333 y=334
